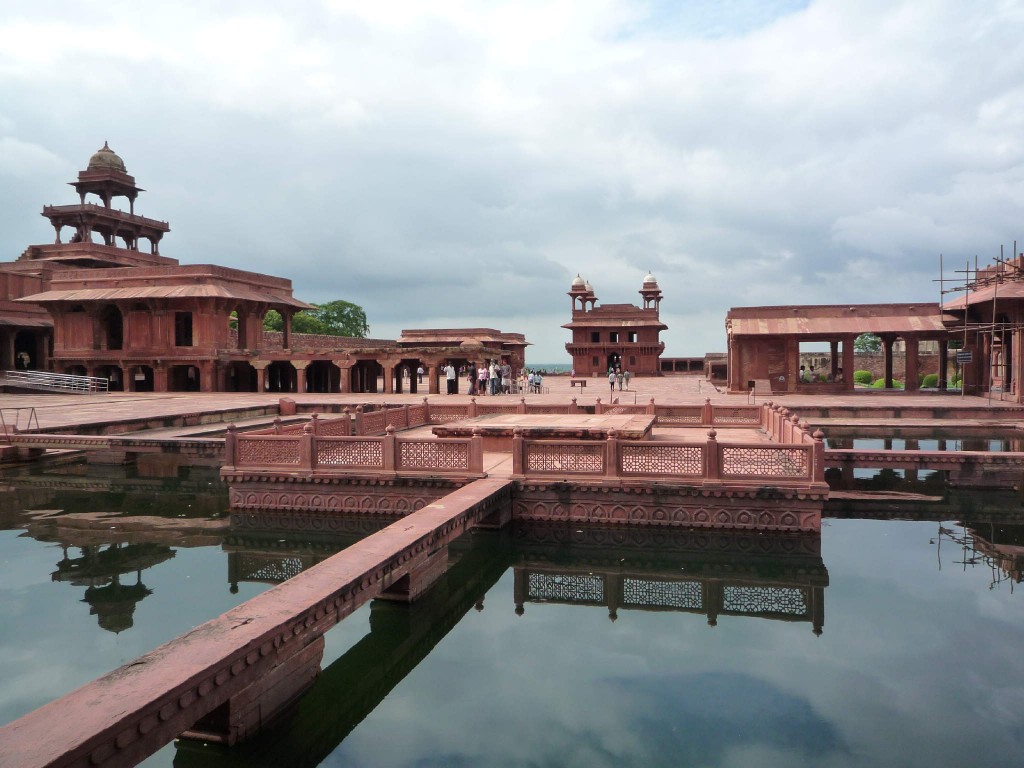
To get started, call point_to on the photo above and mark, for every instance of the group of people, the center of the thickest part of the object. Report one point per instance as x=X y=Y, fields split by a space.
x=808 y=376
x=618 y=377
x=493 y=377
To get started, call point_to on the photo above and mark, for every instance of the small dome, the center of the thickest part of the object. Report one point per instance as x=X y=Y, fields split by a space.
x=649 y=279
x=106 y=159
x=578 y=282
x=589 y=287
x=471 y=344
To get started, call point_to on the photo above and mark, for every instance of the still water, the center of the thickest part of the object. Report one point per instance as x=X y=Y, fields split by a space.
x=550 y=646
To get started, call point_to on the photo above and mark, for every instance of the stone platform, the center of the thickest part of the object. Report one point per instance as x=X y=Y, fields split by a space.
x=497 y=429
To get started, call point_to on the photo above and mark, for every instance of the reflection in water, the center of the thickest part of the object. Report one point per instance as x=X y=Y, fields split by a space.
x=401 y=635
x=757 y=575
x=100 y=569
x=714 y=573
x=996 y=546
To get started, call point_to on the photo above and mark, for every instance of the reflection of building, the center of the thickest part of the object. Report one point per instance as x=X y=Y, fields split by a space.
x=615 y=335
x=100 y=571
x=1000 y=546
x=762 y=575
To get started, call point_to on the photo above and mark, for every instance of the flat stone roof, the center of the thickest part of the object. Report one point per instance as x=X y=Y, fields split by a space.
x=582 y=426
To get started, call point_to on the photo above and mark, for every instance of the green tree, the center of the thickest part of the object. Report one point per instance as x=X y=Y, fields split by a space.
x=867 y=343
x=335 y=318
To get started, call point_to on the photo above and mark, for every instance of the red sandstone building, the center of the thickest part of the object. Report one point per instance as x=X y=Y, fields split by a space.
x=95 y=304
x=615 y=335
x=987 y=318
x=764 y=343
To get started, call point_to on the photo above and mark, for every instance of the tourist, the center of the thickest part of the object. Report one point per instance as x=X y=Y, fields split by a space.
x=482 y=375
x=419 y=373
x=803 y=375
x=626 y=376
x=538 y=382
x=449 y=375
x=471 y=378
x=618 y=378
x=506 y=378
x=531 y=381
x=611 y=380
x=494 y=375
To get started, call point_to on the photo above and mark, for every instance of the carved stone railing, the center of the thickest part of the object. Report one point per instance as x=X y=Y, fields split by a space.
x=792 y=455
x=797 y=599
x=709 y=460
x=311 y=452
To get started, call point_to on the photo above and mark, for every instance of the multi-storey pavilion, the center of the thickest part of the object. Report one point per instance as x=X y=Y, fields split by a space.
x=93 y=303
x=140 y=319
x=615 y=335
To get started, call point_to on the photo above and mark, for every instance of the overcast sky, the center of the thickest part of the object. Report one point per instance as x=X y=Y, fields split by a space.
x=452 y=163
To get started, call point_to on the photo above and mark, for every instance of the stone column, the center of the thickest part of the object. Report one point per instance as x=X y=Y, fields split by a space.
x=7 y=350
x=389 y=377
x=159 y=378
x=792 y=364
x=207 y=376
x=261 y=370
x=433 y=382
x=1016 y=366
x=943 y=363
x=300 y=373
x=912 y=366
x=834 y=345
x=849 y=361
x=887 y=342
x=345 y=378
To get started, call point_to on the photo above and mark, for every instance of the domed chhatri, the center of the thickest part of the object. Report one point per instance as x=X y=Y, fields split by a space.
x=105 y=159
x=578 y=282
x=615 y=336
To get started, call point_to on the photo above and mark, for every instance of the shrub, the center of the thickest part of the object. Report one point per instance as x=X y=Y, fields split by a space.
x=880 y=384
x=862 y=377
x=930 y=381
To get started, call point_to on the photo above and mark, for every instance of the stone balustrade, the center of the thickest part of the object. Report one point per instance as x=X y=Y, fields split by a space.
x=310 y=452
x=704 y=461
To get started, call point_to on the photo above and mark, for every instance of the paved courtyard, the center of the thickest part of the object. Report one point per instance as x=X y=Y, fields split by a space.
x=67 y=411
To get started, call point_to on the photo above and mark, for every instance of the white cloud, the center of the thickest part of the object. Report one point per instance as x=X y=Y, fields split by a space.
x=476 y=156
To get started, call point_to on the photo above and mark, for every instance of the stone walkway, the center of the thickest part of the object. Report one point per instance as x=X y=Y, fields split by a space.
x=67 y=411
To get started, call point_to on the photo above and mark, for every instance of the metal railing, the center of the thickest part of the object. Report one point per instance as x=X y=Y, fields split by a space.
x=57 y=382
x=15 y=420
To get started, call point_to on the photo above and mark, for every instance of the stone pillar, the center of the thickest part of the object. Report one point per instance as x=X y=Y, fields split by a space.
x=849 y=362
x=912 y=366
x=300 y=374
x=159 y=378
x=207 y=376
x=887 y=342
x=286 y=340
x=834 y=357
x=1016 y=366
x=7 y=352
x=433 y=382
x=943 y=363
x=389 y=378
x=261 y=371
x=345 y=377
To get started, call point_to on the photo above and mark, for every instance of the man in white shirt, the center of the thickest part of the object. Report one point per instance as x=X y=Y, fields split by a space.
x=449 y=374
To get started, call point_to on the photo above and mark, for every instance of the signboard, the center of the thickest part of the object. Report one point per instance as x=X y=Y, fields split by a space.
x=964 y=357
